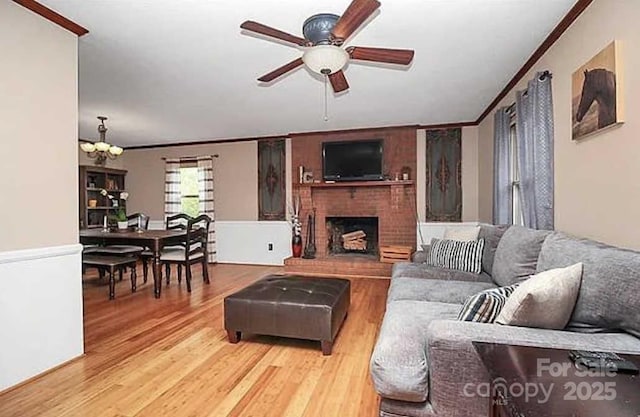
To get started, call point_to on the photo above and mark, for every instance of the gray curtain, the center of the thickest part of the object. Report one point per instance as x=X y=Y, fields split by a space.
x=502 y=210
x=534 y=128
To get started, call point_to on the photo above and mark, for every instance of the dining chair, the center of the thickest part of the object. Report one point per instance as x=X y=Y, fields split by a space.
x=192 y=250
x=175 y=222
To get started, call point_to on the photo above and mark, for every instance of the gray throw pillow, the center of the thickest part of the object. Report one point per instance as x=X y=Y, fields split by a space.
x=545 y=300
x=517 y=255
x=485 y=306
x=491 y=235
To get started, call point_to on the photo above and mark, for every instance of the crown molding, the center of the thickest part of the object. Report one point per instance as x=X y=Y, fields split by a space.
x=52 y=16
x=555 y=34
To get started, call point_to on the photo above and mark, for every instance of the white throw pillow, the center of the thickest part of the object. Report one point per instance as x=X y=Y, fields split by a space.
x=462 y=234
x=545 y=300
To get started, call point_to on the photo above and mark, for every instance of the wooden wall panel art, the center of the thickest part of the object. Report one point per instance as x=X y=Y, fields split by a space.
x=271 y=180
x=444 y=175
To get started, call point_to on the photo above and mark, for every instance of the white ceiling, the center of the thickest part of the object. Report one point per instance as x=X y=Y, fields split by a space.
x=181 y=70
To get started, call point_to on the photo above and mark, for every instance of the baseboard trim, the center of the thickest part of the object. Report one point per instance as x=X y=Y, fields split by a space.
x=40 y=375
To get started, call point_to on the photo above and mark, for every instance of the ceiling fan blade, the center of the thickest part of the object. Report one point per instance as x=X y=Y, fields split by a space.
x=281 y=71
x=391 y=56
x=357 y=12
x=338 y=81
x=274 y=33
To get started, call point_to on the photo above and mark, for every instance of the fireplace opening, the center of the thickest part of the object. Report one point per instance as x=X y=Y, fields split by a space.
x=352 y=235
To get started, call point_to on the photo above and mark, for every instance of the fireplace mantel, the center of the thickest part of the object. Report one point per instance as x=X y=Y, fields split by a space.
x=349 y=184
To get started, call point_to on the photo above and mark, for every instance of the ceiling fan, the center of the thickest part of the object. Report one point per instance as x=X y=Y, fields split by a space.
x=324 y=35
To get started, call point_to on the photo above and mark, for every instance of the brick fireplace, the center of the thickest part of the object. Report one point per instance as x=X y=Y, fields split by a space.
x=391 y=202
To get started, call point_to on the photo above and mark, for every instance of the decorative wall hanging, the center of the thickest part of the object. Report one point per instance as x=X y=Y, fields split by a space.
x=271 y=180
x=596 y=96
x=444 y=175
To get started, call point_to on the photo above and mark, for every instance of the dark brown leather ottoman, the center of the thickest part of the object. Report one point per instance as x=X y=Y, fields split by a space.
x=289 y=306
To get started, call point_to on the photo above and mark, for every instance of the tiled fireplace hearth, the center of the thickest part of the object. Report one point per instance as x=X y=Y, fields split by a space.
x=391 y=203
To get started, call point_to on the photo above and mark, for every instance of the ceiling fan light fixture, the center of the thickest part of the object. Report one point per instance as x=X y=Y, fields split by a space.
x=325 y=59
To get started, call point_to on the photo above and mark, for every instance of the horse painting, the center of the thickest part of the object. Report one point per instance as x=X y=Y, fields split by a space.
x=599 y=86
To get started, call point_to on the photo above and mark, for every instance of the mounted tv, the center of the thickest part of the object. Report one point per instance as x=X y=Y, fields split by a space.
x=352 y=161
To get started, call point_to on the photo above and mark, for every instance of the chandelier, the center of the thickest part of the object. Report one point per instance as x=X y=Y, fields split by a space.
x=101 y=150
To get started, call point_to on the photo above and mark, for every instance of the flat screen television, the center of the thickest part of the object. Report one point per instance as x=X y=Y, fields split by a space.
x=352 y=161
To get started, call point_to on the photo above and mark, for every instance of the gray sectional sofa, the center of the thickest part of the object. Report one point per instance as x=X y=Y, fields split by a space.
x=424 y=356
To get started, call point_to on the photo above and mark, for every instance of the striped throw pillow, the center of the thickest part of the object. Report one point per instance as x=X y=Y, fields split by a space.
x=454 y=254
x=485 y=306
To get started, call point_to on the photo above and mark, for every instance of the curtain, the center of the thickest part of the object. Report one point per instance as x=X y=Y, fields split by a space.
x=534 y=127
x=502 y=197
x=172 y=202
x=205 y=196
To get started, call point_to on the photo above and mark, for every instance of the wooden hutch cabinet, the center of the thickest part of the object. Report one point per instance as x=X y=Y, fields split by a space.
x=93 y=205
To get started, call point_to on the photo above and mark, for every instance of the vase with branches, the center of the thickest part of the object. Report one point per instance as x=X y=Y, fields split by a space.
x=296 y=227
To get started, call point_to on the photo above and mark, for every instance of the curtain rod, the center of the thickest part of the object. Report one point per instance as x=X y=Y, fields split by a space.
x=189 y=158
x=542 y=77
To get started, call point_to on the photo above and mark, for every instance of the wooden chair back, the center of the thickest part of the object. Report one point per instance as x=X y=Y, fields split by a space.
x=178 y=221
x=197 y=235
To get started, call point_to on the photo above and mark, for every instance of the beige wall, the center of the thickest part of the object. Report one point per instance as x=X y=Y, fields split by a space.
x=597 y=192
x=235 y=178
x=469 y=174
x=39 y=131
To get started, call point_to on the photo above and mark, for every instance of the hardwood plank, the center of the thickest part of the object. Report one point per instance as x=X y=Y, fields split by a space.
x=170 y=357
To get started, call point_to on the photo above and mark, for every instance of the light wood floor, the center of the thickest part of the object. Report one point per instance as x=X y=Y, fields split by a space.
x=170 y=357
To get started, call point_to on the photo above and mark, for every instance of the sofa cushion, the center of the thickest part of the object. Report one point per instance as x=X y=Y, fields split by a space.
x=462 y=233
x=609 y=296
x=491 y=235
x=414 y=270
x=545 y=300
x=485 y=306
x=517 y=255
x=421 y=289
x=399 y=364
x=454 y=254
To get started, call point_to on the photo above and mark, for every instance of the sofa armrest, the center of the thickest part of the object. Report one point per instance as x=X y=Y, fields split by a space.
x=453 y=364
x=421 y=256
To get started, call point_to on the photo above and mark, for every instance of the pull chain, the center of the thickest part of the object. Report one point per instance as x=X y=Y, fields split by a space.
x=326 y=98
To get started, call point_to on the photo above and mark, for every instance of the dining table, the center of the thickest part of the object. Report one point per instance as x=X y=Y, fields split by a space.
x=154 y=240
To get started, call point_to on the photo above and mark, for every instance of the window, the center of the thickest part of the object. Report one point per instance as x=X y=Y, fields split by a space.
x=189 y=198
x=516 y=207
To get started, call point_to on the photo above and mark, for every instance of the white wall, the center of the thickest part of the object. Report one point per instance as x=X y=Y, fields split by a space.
x=245 y=242
x=40 y=276
x=40 y=311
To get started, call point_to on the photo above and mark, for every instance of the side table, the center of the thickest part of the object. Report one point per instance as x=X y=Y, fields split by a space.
x=534 y=382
